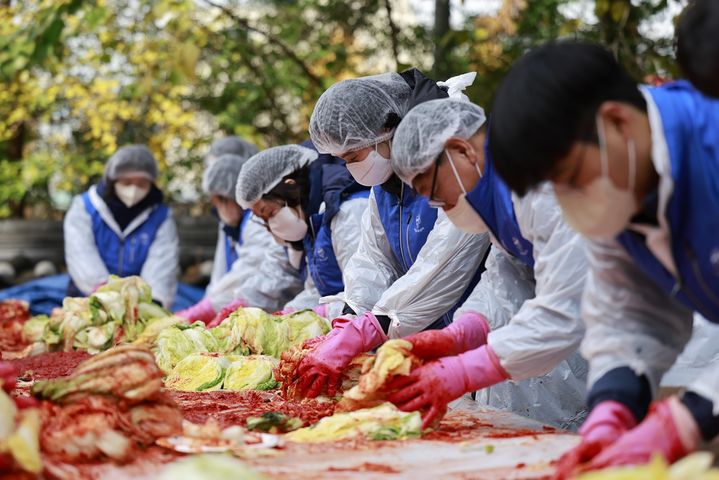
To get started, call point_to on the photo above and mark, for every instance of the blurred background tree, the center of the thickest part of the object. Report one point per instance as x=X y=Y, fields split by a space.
x=81 y=77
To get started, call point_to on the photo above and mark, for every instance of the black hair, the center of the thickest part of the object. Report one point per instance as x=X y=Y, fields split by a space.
x=295 y=194
x=698 y=45
x=547 y=102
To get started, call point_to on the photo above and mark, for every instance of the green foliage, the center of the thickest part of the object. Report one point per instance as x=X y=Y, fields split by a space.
x=82 y=77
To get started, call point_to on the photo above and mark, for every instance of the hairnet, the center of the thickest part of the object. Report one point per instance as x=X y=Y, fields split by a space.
x=421 y=136
x=265 y=171
x=131 y=159
x=232 y=144
x=352 y=114
x=220 y=178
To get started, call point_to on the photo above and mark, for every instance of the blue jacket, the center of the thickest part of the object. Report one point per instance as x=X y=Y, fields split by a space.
x=125 y=257
x=407 y=220
x=331 y=183
x=492 y=199
x=691 y=128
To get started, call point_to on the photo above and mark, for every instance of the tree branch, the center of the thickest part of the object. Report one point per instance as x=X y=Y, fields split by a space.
x=273 y=39
x=394 y=33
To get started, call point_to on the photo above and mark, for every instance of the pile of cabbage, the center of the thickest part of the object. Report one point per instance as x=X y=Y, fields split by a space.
x=239 y=354
x=118 y=311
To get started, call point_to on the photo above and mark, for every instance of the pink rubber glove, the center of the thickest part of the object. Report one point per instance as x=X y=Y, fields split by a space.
x=669 y=430
x=608 y=421
x=323 y=367
x=322 y=310
x=226 y=311
x=202 y=311
x=468 y=332
x=432 y=386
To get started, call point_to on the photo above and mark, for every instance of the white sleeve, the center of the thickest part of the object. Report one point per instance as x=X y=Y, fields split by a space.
x=547 y=328
x=442 y=272
x=218 y=262
x=631 y=322
x=373 y=268
x=83 y=260
x=309 y=297
x=256 y=240
x=346 y=228
x=163 y=263
x=272 y=284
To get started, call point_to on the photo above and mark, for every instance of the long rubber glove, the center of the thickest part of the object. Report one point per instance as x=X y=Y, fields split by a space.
x=225 y=312
x=468 y=332
x=669 y=430
x=432 y=386
x=202 y=311
x=608 y=421
x=322 y=368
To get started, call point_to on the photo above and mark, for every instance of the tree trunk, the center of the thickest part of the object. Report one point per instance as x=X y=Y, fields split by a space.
x=440 y=70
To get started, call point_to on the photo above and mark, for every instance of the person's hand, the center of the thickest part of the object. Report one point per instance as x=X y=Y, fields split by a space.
x=202 y=311
x=226 y=312
x=468 y=332
x=432 y=386
x=322 y=368
x=608 y=421
x=668 y=430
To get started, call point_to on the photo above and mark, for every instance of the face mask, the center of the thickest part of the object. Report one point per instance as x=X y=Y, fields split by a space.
x=287 y=225
x=373 y=170
x=600 y=209
x=130 y=195
x=463 y=215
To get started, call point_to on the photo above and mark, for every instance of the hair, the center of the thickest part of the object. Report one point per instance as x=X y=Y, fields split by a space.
x=547 y=102
x=698 y=45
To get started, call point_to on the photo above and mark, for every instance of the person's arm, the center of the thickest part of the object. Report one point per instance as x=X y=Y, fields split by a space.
x=256 y=241
x=443 y=271
x=373 y=268
x=163 y=263
x=83 y=260
x=218 y=262
x=309 y=297
x=547 y=328
x=346 y=226
x=272 y=284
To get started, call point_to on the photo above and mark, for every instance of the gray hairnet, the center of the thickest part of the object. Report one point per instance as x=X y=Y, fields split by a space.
x=220 y=178
x=351 y=114
x=265 y=171
x=232 y=144
x=131 y=159
x=421 y=136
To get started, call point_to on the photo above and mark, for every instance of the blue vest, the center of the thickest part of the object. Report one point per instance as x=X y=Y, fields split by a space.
x=331 y=184
x=125 y=257
x=407 y=220
x=691 y=129
x=231 y=255
x=320 y=254
x=492 y=200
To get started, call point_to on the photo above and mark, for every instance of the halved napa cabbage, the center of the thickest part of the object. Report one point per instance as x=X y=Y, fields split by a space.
x=197 y=373
x=383 y=422
x=254 y=372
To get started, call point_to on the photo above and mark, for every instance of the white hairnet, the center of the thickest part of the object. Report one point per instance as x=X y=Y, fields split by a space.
x=232 y=144
x=131 y=159
x=265 y=171
x=220 y=178
x=421 y=136
x=352 y=114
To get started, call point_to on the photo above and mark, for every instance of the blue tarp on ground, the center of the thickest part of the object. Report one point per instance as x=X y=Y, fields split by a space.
x=44 y=294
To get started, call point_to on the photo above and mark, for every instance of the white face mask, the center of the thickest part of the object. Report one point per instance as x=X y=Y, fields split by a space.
x=287 y=225
x=130 y=195
x=463 y=215
x=373 y=170
x=600 y=209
